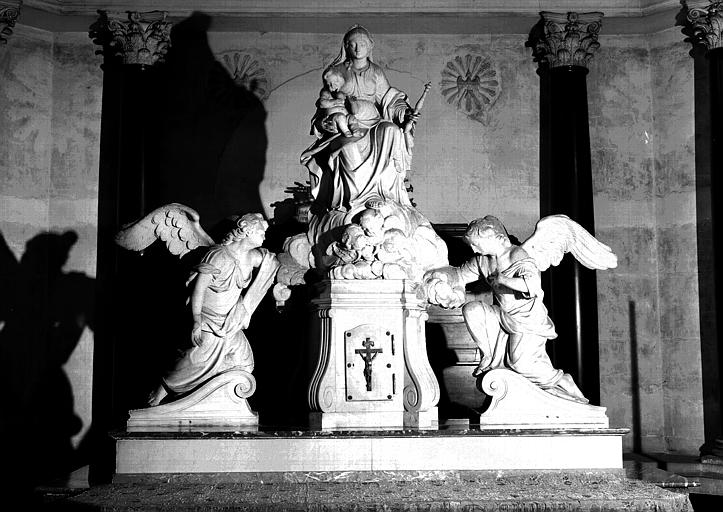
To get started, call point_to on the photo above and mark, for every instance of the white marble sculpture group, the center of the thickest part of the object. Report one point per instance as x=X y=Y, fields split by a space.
x=381 y=263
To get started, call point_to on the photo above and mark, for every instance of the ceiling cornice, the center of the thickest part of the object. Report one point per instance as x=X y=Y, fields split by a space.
x=386 y=16
x=323 y=8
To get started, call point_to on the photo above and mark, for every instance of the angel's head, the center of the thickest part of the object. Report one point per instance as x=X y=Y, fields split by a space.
x=251 y=226
x=486 y=235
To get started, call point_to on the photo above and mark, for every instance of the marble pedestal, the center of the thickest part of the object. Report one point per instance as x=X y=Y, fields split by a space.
x=287 y=455
x=372 y=370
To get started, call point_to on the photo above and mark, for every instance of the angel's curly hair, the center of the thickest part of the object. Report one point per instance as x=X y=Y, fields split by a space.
x=478 y=227
x=246 y=224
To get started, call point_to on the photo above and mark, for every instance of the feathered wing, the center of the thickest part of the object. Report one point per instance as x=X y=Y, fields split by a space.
x=556 y=235
x=176 y=224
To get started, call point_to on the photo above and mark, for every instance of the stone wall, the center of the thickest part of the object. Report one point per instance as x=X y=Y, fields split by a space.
x=50 y=101
x=642 y=142
x=621 y=139
x=672 y=84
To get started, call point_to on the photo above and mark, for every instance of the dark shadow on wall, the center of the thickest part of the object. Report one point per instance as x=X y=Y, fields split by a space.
x=213 y=145
x=43 y=312
x=635 y=379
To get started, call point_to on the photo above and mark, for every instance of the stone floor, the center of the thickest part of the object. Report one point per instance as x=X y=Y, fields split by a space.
x=508 y=491
x=659 y=483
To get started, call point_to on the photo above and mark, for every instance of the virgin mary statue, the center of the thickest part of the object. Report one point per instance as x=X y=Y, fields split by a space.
x=362 y=151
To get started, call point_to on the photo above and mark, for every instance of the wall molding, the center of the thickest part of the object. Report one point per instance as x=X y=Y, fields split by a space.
x=327 y=16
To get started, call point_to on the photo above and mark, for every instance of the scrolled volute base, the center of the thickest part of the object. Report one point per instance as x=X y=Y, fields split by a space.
x=518 y=403
x=219 y=404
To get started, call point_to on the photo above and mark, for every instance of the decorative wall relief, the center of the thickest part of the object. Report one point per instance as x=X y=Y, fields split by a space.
x=246 y=72
x=472 y=84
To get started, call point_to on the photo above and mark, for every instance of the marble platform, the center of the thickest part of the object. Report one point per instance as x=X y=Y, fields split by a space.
x=289 y=452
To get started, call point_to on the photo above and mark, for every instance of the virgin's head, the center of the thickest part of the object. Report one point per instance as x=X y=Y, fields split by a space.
x=358 y=42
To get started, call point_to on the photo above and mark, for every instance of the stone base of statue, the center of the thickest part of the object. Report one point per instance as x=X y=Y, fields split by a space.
x=220 y=403
x=518 y=403
x=287 y=454
x=372 y=369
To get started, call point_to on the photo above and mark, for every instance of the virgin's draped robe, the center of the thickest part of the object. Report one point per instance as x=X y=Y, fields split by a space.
x=345 y=172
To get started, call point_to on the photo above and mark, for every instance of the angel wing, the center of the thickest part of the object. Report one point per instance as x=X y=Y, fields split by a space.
x=556 y=235
x=176 y=224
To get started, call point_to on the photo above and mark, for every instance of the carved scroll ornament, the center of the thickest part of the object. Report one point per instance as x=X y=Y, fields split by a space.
x=143 y=39
x=9 y=13
x=568 y=39
x=707 y=23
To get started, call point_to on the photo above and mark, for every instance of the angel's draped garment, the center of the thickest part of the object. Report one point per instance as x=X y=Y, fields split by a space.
x=224 y=346
x=345 y=172
x=513 y=331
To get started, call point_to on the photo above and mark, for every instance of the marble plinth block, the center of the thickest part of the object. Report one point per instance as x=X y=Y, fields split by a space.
x=518 y=403
x=219 y=403
x=288 y=453
x=372 y=370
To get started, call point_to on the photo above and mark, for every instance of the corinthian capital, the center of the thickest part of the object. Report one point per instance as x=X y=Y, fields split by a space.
x=9 y=12
x=706 y=20
x=566 y=39
x=141 y=39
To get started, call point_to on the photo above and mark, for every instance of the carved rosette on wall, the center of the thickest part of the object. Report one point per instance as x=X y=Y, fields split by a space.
x=706 y=19
x=568 y=39
x=143 y=39
x=246 y=72
x=471 y=83
x=9 y=13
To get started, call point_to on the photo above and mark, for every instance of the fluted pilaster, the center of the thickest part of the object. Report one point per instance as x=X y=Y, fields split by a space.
x=566 y=39
x=9 y=14
x=706 y=20
x=142 y=39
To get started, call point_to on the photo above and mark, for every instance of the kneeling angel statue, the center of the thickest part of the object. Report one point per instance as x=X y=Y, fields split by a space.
x=224 y=292
x=512 y=332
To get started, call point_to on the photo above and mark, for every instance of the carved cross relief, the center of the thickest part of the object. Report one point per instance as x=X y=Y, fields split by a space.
x=369 y=363
x=368 y=354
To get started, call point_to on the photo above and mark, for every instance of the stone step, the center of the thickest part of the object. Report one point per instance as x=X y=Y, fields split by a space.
x=708 y=476
x=421 y=450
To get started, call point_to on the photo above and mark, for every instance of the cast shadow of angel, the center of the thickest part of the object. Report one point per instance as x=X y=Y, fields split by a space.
x=43 y=312
x=214 y=140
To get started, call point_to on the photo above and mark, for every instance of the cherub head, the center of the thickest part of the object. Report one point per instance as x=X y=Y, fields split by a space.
x=487 y=236
x=333 y=79
x=251 y=226
x=372 y=221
